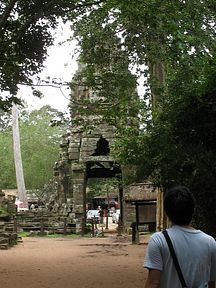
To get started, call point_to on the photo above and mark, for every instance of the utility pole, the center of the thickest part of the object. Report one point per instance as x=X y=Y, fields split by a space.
x=17 y=158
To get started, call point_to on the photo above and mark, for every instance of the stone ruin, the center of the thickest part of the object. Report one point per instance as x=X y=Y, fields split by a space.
x=8 y=227
x=42 y=221
x=84 y=154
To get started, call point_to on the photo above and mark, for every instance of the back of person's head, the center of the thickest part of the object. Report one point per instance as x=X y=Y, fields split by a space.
x=179 y=205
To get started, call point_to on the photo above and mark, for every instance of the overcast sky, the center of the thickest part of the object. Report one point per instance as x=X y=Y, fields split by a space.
x=59 y=64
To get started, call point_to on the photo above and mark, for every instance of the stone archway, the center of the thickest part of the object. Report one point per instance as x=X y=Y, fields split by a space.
x=84 y=156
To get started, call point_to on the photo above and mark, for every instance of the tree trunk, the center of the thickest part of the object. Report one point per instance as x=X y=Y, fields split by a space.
x=18 y=159
x=157 y=75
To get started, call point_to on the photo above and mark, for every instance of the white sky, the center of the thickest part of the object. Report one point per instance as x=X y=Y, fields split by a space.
x=61 y=64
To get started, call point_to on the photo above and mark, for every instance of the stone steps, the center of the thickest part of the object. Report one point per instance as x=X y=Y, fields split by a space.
x=54 y=224
x=8 y=237
x=3 y=240
x=4 y=246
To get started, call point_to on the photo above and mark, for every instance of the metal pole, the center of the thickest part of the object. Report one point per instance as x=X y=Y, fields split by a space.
x=107 y=220
x=107 y=211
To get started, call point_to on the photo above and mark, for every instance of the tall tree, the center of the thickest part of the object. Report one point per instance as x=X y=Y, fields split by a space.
x=18 y=158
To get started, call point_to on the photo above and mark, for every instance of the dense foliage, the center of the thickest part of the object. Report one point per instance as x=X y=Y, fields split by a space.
x=39 y=148
x=171 y=43
x=180 y=145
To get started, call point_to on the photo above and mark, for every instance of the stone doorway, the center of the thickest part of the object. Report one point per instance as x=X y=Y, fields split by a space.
x=107 y=177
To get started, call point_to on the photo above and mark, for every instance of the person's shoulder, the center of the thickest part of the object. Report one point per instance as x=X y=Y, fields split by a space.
x=205 y=234
x=157 y=236
x=157 y=240
x=208 y=238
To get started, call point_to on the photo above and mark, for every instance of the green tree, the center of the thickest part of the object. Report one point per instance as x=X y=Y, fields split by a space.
x=158 y=34
x=7 y=168
x=175 y=41
x=26 y=31
x=39 y=148
x=179 y=147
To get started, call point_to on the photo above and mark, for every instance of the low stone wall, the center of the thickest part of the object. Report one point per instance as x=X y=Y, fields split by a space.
x=44 y=222
x=8 y=233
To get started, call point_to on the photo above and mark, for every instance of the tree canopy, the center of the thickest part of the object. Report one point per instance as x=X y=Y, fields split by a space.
x=25 y=34
x=148 y=31
x=170 y=43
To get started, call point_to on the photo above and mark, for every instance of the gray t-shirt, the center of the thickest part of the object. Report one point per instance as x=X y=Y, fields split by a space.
x=196 y=253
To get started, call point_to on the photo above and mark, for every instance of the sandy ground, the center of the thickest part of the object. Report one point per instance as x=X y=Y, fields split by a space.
x=108 y=262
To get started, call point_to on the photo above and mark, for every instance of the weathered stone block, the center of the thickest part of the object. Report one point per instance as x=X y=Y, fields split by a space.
x=74 y=156
x=75 y=143
x=78 y=199
x=78 y=209
x=83 y=155
x=78 y=174
x=86 y=142
x=88 y=149
x=73 y=150
x=78 y=166
x=4 y=240
x=78 y=181
x=77 y=189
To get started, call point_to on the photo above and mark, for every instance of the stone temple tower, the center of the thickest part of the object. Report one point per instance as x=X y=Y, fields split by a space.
x=84 y=152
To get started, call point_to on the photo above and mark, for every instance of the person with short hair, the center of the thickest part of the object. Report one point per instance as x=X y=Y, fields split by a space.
x=195 y=250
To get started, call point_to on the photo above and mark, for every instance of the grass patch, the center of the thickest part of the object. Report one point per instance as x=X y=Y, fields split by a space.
x=73 y=236
x=23 y=234
x=55 y=235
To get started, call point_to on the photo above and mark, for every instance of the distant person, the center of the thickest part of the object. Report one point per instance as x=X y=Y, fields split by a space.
x=101 y=213
x=195 y=250
x=112 y=210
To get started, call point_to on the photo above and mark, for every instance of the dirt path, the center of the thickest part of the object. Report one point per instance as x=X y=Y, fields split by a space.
x=109 y=262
